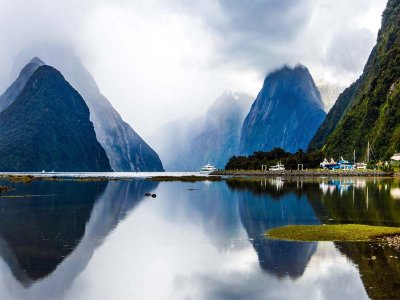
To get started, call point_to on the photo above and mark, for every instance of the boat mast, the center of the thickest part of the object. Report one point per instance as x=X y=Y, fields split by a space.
x=368 y=153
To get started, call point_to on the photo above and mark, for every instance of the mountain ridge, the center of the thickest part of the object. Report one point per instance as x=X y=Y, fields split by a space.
x=368 y=111
x=126 y=150
x=47 y=127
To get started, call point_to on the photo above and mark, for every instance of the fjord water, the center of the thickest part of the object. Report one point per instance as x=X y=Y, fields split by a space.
x=204 y=240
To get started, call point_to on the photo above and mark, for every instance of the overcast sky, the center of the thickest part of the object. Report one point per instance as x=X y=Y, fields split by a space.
x=157 y=60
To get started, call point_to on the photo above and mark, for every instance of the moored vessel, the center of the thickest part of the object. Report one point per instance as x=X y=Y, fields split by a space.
x=208 y=168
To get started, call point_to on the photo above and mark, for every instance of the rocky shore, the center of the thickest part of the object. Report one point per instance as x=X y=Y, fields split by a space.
x=393 y=241
x=305 y=173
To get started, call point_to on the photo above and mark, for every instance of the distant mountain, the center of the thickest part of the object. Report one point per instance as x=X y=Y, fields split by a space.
x=213 y=138
x=369 y=110
x=47 y=127
x=13 y=91
x=171 y=140
x=286 y=113
x=334 y=116
x=219 y=138
x=329 y=93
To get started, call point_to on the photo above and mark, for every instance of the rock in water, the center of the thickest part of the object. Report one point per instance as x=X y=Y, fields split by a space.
x=47 y=127
x=286 y=113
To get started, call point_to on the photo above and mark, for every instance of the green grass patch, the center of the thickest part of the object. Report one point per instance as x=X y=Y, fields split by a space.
x=335 y=233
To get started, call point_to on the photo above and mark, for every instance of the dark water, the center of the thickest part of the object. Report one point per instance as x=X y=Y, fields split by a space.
x=105 y=240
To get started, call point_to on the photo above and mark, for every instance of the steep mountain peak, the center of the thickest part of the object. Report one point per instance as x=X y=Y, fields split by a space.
x=300 y=66
x=298 y=77
x=286 y=113
x=228 y=99
x=126 y=150
x=48 y=127
x=36 y=60
x=9 y=96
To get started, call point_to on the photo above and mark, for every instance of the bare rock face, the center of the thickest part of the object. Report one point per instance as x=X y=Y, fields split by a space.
x=286 y=113
x=126 y=150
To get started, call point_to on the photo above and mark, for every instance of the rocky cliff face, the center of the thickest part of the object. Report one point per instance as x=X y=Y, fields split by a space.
x=126 y=150
x=47 y=127
x=369 y=110
x=286 y=113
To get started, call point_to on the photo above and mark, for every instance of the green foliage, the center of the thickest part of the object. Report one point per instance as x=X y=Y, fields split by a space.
x=48 y=128
x=340 y=233
x=369 y=110
x=310 y=159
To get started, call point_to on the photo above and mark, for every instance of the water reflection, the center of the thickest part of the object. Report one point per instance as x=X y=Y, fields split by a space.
x=358 y=200
x=48 y=238
x=195 y=240
x=264 y=205
x=38 y=232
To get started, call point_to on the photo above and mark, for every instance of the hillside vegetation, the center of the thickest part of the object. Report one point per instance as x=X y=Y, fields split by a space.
x=369 y=110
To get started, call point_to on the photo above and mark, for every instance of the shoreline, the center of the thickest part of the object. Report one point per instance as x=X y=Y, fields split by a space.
x=306 y=173
x=190 y=177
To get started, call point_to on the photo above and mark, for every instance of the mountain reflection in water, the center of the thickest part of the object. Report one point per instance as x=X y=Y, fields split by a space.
x=267 y=211
x=57 y=229
x=201 y=240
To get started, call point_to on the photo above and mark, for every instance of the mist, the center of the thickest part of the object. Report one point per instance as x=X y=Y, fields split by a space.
x=158 y=61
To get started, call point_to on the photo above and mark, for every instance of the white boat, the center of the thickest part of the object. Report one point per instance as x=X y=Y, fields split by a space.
x=208 y=168
x=278 y=167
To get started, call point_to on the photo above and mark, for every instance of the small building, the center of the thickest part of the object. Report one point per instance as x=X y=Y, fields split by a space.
x=327 y=164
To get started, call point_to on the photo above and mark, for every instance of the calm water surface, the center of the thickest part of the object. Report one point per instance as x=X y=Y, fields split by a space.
x=205 y=240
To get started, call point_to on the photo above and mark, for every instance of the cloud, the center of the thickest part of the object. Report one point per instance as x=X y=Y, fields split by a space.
x=157 y=60
x=344 y=51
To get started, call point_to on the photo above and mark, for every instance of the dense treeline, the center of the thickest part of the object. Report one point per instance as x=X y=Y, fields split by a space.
x=309 y=159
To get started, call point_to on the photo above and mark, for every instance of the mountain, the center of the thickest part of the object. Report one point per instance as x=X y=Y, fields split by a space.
x=334 y=116
x=329 y=93
x=286 y=113
x=219 y=138
x=171 y=140
x=213 y=138
x=125 y=149
x=13 y=91
x=47 y=127
x=369 y=110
